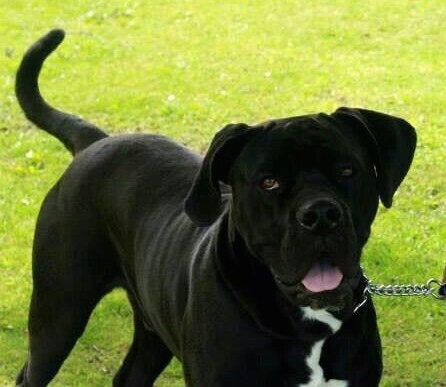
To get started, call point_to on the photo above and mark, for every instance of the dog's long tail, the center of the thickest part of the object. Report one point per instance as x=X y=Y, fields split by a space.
x=75 y=133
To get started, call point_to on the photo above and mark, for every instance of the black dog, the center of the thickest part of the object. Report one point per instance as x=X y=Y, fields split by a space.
x=244 y=264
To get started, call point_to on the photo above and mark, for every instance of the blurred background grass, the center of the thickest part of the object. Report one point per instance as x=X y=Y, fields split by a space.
x=185 y=69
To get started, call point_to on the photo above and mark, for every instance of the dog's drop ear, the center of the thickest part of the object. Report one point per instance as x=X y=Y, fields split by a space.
x=392 y=141
x=203 y=203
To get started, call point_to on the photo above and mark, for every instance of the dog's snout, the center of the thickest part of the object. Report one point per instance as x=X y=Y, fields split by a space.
x=320 y=215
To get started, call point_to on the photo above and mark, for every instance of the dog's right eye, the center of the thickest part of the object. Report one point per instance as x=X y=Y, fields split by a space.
x=347 y=172
x=269 y=184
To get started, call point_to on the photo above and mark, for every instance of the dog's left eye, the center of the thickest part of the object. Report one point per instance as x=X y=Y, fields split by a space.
x=269 y=184
x=346 y=171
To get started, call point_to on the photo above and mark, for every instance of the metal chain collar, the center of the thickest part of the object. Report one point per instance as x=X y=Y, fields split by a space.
x=432 y=287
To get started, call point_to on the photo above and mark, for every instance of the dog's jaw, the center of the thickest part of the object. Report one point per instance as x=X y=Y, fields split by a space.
x=339 y=300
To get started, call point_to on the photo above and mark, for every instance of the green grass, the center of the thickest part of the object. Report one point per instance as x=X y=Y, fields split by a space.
x=224 y=62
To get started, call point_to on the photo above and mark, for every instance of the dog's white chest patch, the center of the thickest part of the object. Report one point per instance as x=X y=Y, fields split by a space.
x=316 y=373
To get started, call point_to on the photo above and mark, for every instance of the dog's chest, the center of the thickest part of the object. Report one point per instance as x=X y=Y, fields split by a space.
x=314 y=375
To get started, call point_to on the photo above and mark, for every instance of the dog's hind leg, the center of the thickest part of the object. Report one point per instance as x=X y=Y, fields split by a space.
x=54 y=327
x=73 y=268
x=145 y=360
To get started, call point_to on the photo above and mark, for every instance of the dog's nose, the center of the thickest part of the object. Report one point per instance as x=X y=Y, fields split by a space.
x=320 y=215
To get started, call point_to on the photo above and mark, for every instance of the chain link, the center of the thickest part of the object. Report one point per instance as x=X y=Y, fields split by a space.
x=398 y=290
x=430 y=288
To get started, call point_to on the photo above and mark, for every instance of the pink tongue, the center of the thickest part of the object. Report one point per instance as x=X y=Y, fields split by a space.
x=321 y=277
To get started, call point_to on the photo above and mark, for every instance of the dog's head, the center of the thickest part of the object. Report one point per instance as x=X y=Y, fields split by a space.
x=305 y=191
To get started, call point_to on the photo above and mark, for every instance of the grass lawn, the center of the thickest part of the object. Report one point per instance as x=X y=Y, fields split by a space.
x=186 y=68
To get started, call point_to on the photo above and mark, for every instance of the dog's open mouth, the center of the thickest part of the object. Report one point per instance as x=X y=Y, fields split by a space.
x=324 y=285
x=322 y=276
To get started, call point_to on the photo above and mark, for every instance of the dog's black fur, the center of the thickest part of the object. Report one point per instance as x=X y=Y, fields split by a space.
x=212 y=252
